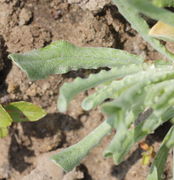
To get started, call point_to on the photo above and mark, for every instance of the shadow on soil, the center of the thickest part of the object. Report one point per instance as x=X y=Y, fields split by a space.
x=6 y=68
x=48 y=126
x=120 y=171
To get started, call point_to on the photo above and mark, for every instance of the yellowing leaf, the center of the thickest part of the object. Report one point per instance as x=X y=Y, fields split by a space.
x=162 y=31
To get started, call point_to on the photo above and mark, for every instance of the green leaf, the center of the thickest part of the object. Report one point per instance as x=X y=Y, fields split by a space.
x=3 y=132
x=71 y=157
x=152 y=11
x=162 y=112
x=24 y=111
x=124 y=140
x=61 y=57
x=5 y=119
x=130 y=11
x=161 y=157
x=69 y=90
x=163 y=3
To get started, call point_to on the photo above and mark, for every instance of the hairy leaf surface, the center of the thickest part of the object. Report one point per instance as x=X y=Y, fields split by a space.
x=71 y=157
x=61 y=57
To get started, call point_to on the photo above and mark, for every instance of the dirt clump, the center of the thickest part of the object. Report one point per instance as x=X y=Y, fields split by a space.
x=25 y=38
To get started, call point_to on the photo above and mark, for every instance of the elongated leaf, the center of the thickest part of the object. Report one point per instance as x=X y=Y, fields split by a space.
x=61 y=57
x=160 y=159
x=152 y=11
x=24 y=111
x=69 y=90
x=124 y=140
x=5 y=119
x=131 y=13
x=114 y=89
x=71 y=157
x=146 y=78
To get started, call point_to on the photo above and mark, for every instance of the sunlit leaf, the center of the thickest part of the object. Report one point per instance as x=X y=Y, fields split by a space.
x=3 y=132
x=71 y=157
x=61 y=57
x=5 y=119
x=24 y=111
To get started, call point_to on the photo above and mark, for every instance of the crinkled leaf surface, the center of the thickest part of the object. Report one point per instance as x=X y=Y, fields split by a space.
x=24 y=111
x=69 y=90
x=5 y=119
x=61 y=57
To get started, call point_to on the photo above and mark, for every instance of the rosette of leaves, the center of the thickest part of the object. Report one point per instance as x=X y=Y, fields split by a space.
x=18 y=112
x=133 y=86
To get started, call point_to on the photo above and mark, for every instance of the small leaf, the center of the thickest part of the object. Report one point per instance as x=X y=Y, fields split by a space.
x=61 y=57
x=148 y=155
x=5 y=119
x=24 y=111
x=3 y=132
x=162 y=31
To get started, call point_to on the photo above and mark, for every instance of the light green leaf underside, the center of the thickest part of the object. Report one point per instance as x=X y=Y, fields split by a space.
x=71 y=157
x=61 y=57
x=114 y=89
x=119 y=110
x=160 y=159
x=5 y=119
x=140 y=25
x=24 y=111
x=69 y=90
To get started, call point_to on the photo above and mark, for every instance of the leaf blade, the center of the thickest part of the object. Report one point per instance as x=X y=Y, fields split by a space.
x=24 y=111
x=5 y=119
x=61 y=57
